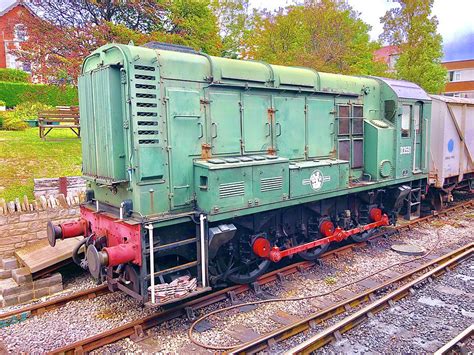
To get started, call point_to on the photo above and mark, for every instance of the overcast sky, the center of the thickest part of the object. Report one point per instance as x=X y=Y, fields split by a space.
x=456 y=21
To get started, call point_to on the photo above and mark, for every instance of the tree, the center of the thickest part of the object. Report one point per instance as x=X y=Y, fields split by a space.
x=411 y=28
x=233 y=18
x=326 y=35
x=68 y=30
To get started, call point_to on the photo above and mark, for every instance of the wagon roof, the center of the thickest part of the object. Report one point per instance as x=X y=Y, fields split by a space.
x=405 y=89
x=453 y=100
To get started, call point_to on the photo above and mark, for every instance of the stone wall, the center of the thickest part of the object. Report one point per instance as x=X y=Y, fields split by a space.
x=20 y=229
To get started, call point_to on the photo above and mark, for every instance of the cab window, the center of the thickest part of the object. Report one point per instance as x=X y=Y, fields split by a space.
x=416 y=118
x=406 y=115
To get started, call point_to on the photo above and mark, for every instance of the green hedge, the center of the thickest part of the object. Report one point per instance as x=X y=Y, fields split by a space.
x=16 y=93
x=14 y=75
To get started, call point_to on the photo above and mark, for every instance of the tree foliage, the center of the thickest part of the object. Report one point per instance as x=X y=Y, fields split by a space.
x=234 y=20
x=326 y=35
x=411 y=28
x=69 y=30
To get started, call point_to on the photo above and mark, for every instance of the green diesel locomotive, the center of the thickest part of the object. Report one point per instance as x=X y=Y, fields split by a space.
x=217 y=168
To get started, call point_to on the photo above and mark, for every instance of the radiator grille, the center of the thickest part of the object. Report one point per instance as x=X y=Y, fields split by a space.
x=144 y=67
x=271 y=184
x=231 y=189
x=144 y=77
x=146 y=105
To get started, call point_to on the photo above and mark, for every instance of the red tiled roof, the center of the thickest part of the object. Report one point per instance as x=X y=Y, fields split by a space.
x=382 y=54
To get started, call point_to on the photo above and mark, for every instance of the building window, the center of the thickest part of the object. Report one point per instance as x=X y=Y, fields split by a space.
x=392 y=60
x=454 y=75
x=20 y=32
x=456 y=94
x=406 y=118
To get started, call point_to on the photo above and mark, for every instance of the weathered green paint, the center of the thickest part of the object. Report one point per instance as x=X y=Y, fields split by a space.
x=231 y=185
x=289 y=126
x=316 y=177
x=224 y=117
x=103 y=126
x=321 y=129
x=146 y=115
x=379 y=150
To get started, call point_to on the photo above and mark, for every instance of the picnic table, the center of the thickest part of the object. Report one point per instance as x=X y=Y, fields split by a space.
x=54 y=119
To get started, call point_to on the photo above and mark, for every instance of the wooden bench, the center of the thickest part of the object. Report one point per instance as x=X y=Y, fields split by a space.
x=62 y=114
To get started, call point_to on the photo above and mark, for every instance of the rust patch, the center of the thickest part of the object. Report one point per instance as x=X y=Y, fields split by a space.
x=206 y=151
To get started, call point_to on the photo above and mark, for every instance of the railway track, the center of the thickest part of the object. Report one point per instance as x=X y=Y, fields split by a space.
x=371 y=305
x=138 y=327
x=457 y=344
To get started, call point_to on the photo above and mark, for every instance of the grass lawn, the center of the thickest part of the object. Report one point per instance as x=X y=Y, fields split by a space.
x=24 y=156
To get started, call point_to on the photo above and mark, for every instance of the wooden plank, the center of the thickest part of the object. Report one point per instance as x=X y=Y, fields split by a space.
x=59 y=126
x=58 y=119
x=41 y=255
x=58 y=115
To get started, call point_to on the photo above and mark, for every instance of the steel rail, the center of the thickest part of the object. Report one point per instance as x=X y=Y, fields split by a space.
x=137 y=327
x=457 y=341
x=280 y=334
x=333 y=332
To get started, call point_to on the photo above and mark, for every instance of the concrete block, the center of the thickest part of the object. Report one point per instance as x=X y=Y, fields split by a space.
x=41 y=292
x=49 y=281
x=5 y=274
x=9 y=263
x=25 y=297
x=16 y=290
x=56 y=288
x=22 y=275
x=10 y=300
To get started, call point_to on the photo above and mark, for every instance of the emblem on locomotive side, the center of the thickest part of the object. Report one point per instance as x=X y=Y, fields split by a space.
x=316 y=180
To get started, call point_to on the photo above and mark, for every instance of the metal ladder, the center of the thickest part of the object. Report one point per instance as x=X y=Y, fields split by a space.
x=413 y=201
x=200 y=263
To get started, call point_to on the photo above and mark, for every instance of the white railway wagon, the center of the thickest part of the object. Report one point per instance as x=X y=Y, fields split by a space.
x=452 y=145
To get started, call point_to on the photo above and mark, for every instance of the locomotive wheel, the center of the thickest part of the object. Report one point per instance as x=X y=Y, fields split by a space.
x=363 y=237
x=240 y=265
x=311 y=254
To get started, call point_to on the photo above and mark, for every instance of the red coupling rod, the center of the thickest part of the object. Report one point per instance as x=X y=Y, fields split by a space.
x=339 y=234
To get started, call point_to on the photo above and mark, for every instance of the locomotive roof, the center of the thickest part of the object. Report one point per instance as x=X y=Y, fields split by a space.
x=405 y=89
x=197 y=66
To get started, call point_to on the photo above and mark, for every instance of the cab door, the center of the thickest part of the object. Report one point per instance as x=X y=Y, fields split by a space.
x=406 y=147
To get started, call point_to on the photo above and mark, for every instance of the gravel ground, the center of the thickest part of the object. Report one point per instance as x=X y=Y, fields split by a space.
x=446 y=232
x=72 y=322
x=421 y=323
x=73 y=281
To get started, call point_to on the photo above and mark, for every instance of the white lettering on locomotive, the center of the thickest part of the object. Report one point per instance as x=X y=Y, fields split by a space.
x=405 y=150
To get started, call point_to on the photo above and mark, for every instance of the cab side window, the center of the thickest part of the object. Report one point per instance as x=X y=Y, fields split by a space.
x=416 y=118
x=406 y=120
